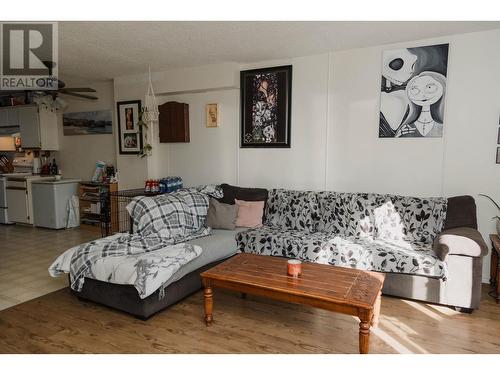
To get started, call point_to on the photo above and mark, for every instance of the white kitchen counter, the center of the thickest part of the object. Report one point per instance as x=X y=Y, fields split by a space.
x=57 y=182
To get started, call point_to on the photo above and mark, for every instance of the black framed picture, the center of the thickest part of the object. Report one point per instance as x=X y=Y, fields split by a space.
x=130 y=134
x=266 y=107
x=498 y=155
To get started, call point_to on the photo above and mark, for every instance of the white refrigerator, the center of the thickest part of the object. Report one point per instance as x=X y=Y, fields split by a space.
x=51 y=202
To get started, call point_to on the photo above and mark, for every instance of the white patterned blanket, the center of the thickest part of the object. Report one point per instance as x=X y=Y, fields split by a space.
x=146 y=263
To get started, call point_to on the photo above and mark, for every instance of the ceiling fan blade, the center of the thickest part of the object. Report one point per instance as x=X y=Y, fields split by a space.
x=91 y=97
x=60 y=84
x=79 y=89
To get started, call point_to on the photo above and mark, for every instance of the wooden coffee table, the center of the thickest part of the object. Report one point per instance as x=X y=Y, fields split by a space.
x=344 y=290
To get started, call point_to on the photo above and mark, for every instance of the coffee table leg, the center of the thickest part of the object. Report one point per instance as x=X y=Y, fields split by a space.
x=208 y=306
x=376 y=310
x=366 y=318
x=364 y=336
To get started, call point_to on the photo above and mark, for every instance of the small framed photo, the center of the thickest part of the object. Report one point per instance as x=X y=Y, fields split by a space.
x=498 y=137
x=130 y=134
x=212 y=114
x=498 y=155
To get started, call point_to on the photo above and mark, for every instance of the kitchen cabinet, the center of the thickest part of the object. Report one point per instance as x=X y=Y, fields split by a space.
x=30 y=127
x=38 y=128
x=9 y=116
x=4 y=116
x=17 y=202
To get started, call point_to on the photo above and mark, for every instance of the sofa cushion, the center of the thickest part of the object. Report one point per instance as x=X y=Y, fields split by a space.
x=246 y=194
x=388 y=222
x=423 y=218
x=249 y=214
x=354 y=252
x=460 y=241
x=278 y=242
x=348 y=214
x=221 y=215
x=461 y=212
x=291 y=209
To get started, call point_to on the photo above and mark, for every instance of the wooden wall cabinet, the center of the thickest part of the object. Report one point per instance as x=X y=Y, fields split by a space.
x=174 y=122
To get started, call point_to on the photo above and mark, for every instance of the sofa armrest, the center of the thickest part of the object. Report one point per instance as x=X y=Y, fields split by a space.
x=460 y=241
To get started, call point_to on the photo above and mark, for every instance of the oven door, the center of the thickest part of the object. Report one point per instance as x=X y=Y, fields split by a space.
x=17 y=202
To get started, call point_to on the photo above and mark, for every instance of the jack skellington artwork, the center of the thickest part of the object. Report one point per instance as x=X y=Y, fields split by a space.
x=412 y=92
x=266 y=107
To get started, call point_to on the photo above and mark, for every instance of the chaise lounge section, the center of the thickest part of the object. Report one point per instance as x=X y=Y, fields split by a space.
x=429 y=248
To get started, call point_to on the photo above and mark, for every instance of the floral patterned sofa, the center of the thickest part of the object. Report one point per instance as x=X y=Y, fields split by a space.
x=387 y=233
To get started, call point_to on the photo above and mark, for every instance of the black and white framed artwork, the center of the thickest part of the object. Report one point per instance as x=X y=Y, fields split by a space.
x=413 y=91
x=129 y=131
x=266 y=107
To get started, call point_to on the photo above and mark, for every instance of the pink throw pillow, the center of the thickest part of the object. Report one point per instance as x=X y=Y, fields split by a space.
x=249 y=214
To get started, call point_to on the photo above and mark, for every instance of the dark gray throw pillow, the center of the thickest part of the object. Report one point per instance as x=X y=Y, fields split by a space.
x=221 y=215
x=243 y=194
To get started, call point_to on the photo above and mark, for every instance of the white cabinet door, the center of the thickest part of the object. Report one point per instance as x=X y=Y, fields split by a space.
x=13 y=116
x=17 y=205
x=9 y=116
x=49 y=134
x=30 y=127
x=4 y=116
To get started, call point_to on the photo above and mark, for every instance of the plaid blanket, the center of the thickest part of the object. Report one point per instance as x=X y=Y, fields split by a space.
x=174 y=215
x=159 y=222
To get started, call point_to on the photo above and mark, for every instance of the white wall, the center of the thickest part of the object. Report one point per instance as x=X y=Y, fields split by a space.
x=211 y=155
x=462 y=162
x=79 y=153
x=335 y=144
x=358 y=159
x=196 y=86
x=303 y=165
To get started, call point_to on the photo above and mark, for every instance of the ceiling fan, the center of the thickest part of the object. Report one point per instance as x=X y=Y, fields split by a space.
x=31 y=95
x=62 y=89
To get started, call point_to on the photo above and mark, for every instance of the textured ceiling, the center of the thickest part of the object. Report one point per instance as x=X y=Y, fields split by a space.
x=104 y=50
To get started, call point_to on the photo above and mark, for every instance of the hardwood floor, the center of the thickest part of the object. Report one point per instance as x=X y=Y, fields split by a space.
x=60 y=323
x=25 y=255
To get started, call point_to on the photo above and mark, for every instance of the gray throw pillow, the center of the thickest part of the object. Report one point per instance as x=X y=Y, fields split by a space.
x=221 y=215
